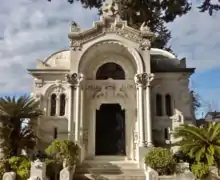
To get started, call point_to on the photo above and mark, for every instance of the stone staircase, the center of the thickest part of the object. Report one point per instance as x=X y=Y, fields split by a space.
x=108 y=170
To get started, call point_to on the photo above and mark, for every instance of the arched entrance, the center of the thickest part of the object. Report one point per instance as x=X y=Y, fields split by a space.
x=110 y=130
x=109 y=96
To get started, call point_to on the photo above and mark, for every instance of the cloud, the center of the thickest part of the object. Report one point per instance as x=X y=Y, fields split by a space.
x=32 y=29
x=196 y=37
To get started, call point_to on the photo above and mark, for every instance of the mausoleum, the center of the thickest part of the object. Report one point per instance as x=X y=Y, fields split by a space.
x=111 y=92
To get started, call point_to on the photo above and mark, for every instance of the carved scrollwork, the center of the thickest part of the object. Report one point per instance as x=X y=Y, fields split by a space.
x=38 y=82
x=143 y=79
x=75 y=79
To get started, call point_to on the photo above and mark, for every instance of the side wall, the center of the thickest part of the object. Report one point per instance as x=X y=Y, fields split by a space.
x=176 y=85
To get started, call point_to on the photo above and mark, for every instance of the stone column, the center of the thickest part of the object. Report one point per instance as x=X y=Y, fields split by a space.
x=70 y=113
x=140 y=84
x=145 y=122
x=58 y=105
x=150 y=77
x=76 y=110
x=81 y=113
x=75 y=79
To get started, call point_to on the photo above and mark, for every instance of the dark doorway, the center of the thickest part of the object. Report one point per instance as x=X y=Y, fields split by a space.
x=110 y=130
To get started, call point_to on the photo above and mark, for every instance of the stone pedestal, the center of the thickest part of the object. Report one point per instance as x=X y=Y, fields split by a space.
x=142 y=152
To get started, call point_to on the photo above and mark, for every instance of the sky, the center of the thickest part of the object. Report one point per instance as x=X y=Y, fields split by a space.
x=34 y=29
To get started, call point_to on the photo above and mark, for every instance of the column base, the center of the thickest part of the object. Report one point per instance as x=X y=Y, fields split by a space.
x=150 y=144
x=143 y=144
x=142 y=152
x=71 y=137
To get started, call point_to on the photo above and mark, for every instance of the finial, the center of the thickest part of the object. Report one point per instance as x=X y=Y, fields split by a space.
x=74 y=27
x=144 y=28
x=110 y=9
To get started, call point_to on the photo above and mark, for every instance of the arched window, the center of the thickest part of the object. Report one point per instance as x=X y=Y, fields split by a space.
x=166 y=134
x=168 y=105
x=159 y=111
x=55 y=133
x=53 y=105
x=110 y=70
x=62 y=104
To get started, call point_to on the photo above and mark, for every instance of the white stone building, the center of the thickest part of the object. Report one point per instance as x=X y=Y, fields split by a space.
x=111 y=92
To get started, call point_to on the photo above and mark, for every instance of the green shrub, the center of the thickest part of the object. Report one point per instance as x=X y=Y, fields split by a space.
x=63 y=149
x=200 y=170
x=21 y=166
x=161 y=159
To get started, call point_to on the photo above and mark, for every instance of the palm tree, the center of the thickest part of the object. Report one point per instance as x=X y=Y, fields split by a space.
x=13 y=113
x=201 y=143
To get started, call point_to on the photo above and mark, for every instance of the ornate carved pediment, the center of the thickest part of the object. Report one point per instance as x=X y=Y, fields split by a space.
x=119 y=27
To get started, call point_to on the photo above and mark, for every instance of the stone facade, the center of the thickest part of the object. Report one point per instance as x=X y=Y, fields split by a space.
x=153 y=91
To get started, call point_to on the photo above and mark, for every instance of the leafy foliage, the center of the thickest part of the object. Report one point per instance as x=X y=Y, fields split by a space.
x=196 y=100
x=170 y=6
x=161 y=159
x=13 y=112
x=2 y=168
x=62 y=150
x=21 y=166
x=200 y=170
x=155 y=13
x=202 y=143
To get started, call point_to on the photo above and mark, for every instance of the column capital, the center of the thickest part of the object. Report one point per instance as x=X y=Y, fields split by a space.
x=143 y=79
x=74 y=79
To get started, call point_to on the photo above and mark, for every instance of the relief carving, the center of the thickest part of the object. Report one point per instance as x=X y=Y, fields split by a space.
x=59 y=88
x=110 y=91
x=119 y=28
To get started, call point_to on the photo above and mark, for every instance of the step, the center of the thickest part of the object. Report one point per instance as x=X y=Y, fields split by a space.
x=109 y=164
x=109 y=170
x=108 y=177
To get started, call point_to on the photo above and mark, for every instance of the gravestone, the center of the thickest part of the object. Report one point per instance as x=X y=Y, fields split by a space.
x=38 y=170
x=9 y=176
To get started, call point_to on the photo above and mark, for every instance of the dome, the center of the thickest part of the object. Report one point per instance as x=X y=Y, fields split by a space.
x=162 y=61
x=58 y=60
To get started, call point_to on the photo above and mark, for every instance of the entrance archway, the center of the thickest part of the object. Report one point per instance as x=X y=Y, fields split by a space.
x=110 y=130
